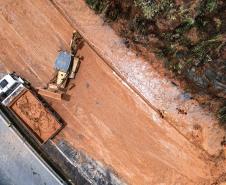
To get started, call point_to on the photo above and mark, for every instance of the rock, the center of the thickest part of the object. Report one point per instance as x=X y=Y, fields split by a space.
x=196 y=78
x=210 y=74
x=212 y=78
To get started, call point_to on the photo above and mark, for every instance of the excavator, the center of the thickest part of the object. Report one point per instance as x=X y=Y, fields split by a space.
x=25 y=105
x=65 y=68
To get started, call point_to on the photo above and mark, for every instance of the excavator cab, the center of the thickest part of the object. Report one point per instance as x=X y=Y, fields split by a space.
x=62 y=65
x=65 y=68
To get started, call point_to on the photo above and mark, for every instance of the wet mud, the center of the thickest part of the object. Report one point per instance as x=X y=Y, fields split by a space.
x=159 y=90
x=113 y=116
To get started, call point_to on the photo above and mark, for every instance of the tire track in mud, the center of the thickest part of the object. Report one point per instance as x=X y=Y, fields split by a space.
x=203 y=153
x=32 y=41
x=151 y=85
x=16 y=48
x=118 y=75
x=121 y=143
x=122 y=103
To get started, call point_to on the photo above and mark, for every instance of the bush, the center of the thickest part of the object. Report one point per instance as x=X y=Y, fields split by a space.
x=151 y=8
x=96 y=5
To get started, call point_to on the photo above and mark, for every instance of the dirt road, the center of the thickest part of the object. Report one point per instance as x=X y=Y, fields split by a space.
x=115 y=126
x=149 y=81
x=27 y=32
x=106 y=118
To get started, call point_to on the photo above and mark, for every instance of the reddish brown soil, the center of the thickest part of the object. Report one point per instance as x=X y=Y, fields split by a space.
x=27 y=32
x=35 y=116
x=115 y=124
x=161 y=93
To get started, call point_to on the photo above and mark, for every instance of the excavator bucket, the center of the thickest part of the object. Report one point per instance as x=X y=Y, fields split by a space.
x=50 y=94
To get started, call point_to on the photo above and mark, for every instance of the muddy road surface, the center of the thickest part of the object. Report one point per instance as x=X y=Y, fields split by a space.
x=163 y=94
x=111 y=115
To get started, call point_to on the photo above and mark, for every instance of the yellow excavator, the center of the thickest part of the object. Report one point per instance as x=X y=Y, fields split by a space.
x=65 y=68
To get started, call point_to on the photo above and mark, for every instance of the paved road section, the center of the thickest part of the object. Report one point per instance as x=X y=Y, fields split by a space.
x=19 y=165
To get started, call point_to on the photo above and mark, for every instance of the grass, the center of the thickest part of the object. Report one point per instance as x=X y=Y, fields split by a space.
x=153 y=8
x=109 y=8
x=96 y=5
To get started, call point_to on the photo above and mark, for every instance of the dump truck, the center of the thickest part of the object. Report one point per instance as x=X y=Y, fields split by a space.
x=32 y=112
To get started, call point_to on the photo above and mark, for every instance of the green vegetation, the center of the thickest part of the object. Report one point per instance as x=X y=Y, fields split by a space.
x=152 y=8
x=97 y=5
x=190 y=35
x=109 y=8
x=208 y=6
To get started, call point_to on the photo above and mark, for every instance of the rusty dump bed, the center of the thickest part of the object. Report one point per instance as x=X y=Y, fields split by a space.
x=37 y=119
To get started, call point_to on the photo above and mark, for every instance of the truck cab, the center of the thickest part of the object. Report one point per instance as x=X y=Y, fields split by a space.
x=10 y=86
x=29 y=112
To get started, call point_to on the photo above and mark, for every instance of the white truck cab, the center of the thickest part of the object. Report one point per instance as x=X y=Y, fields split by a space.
x=11 y=86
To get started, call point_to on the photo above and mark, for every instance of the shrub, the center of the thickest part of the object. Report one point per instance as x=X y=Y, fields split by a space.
x=151 y=8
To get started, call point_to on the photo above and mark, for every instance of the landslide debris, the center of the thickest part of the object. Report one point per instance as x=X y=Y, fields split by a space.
x=190 y=36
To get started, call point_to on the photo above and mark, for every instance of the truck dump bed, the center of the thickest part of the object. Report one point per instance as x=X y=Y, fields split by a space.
x=37 y=119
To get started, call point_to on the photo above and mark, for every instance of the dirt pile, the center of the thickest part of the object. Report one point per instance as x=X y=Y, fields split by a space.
x=35 y=116
x=188 y=35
